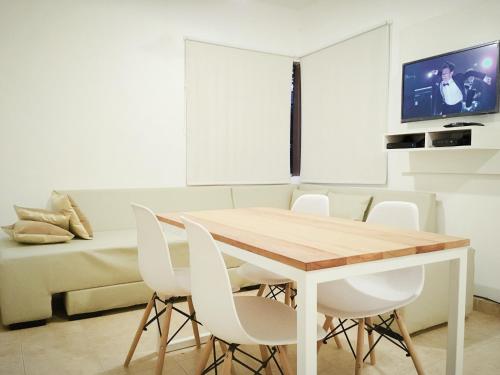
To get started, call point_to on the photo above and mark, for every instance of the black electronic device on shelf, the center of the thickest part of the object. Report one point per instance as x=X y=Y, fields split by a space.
x=407 y=142
x=460 y=124
x=453 y=139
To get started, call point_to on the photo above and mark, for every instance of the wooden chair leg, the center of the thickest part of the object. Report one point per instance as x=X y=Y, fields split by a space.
x=326 y=327
x=164 y=339
x=262 y=288
x=226 y=369
x=264 y=354
x=336 y=338
x=371 y=341
x=319 y=344
x=285 y=363
x=223 y=347
x=288 y=294
x=196 y=332
x=139 y=331
x=359 y=346
x=408 y=342
x=207 y=350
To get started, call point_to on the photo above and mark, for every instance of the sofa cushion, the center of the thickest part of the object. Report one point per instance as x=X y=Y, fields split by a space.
x=426 y=202
x=277 y=196
x=78 y=222
x=37 y=232
x=349 y=206
x=58 y=218
x=109 y=209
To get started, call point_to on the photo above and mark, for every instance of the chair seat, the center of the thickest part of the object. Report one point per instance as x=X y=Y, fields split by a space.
x=182 y=287
x=362 y=296
x=269 y=322
x=261 y=276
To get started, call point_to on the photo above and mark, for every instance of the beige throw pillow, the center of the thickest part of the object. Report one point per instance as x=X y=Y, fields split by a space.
x=349 y=206
x=78 y=222
x=61 y=219
x=37 y=232
x=297 y=193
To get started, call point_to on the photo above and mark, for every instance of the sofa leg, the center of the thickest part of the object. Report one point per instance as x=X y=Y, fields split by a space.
x=89 y=315
x=30 y=324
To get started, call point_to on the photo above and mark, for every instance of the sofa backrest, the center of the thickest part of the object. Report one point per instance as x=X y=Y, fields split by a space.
x=426 y=202
x=277 y=196
x=110 y=209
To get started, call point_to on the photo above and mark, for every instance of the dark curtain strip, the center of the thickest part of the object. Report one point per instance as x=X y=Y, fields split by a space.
x=295 y=128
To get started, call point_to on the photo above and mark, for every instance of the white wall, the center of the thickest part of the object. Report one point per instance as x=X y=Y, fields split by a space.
x=468 y=203
x=92 y=91
x=326 y=21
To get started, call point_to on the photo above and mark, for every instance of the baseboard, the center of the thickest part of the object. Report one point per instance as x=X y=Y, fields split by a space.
x=487 y=292
x=486 y=306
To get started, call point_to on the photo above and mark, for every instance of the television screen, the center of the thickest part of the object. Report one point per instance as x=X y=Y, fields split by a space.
x=453 y=84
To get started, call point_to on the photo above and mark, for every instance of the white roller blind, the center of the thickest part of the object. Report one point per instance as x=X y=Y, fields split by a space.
x=238 y=115
x=344 y=111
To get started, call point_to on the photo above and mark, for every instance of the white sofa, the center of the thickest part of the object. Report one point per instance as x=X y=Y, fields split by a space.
x=102 y=273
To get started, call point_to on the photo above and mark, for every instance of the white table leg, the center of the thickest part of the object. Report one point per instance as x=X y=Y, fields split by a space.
x=456 y=315
x=306 y=326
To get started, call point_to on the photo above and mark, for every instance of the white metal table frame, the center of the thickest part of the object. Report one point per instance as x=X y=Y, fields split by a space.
x=307 y=283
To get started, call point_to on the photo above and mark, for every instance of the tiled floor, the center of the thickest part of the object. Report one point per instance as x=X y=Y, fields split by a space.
x=99 y=345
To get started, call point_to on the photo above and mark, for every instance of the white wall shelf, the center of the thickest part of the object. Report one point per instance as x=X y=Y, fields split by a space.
x=478 y=138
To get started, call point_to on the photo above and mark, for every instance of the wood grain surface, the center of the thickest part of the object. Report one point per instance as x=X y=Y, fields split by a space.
x=311 y=242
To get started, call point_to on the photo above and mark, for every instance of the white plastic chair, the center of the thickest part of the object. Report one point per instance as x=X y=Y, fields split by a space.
x=313 y=204
x=235 y=320
x=363 y=297
x=168 y=283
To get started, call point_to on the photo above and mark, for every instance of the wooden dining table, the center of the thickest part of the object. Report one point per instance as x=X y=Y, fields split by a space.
x=312 y=249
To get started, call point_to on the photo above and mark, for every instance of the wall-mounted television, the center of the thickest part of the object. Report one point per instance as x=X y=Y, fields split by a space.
x=458 y=83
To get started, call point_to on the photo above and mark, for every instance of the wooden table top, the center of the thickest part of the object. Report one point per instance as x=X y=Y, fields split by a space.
x=311 y=242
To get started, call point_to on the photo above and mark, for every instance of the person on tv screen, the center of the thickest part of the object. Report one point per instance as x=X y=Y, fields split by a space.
x=474 y=91
x=450 y=88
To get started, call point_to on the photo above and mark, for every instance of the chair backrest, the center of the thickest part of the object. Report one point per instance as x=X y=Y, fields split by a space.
x=314 y=204
x=402 y=215
x=155 y=264
x=210 y=286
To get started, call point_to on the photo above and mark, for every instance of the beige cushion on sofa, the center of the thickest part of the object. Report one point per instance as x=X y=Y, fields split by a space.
x=78 y=223
x=426 y=202
x=349 y=206
x=58 y=218
x=297 y=193
x=83 y=218
x=277 y=196
x=109 y=209
x=37 y=232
